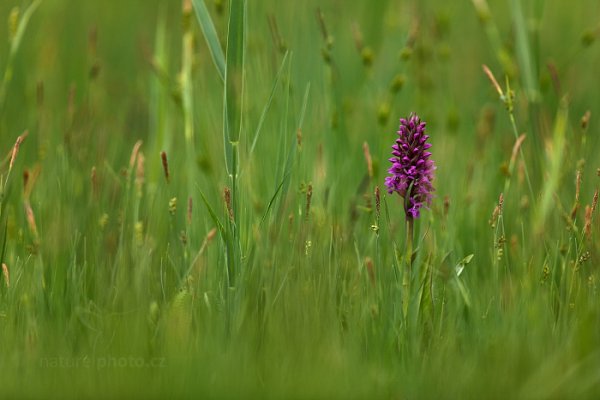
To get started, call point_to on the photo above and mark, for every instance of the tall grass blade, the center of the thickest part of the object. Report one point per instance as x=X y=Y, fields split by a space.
x=210 y=35
x=524 y=53
x=267 y=106
x=14 y=47
x=212 y=213
x=554 y=166
x=234 y=70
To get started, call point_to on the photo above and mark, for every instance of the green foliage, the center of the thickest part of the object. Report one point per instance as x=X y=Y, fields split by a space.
x=268 y=264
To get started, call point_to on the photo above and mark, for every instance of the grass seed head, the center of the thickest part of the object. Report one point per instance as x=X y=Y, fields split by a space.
x=446 y=205
x=299 y=138
x=94 y=180
x=497 y=211
x=585 y=120
x=589 y=215
x=15 y=149
x=134 y=154
x=309 y=193
x=228 y=203
x=30 y=216
x=6 y=275
x=165 y=165
x=370 y=269
x=140 y=173
x=493 y=80
x=577 y=190
x=368 y=159
x=173 y=206
x=13 y=23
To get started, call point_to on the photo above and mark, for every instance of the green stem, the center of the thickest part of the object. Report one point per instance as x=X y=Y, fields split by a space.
x=511 y=167
x=234 y=262
x=406 y=276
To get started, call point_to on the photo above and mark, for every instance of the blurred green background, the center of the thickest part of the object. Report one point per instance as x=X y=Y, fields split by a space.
x=115 y=264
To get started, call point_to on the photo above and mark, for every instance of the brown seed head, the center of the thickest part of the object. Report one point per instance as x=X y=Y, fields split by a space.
x=589 y=215
x=577 y=190
x=31 y=220
x=516 y=148
x=211 y=235
x=368 y=159
x=40 y=93
x=6 y=275
x=275 y=35
x=93 y=40
x=25 y=179
x=165 y=165
x=187 y=6
x=493 y=80
x=15 y=149
x=299 y=138
x=587 y=228
x=94 y=180
x=140 y=170
x=357 y=36
x=446 y=205
x=554 y=76
x=486 y=122
x=497 y=211
x=309 y=192
x=585 y=120
x=228 y=204
x=134 y=154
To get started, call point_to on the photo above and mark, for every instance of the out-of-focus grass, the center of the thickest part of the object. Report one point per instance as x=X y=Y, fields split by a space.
x=121 y=287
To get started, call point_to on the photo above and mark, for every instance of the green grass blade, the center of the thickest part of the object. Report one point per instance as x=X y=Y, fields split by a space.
x=292 y=150
x=212 y=213
x=14 y=47
x=210 y=35
x=273 y=198
x=4 y=242
x=267 y=107
x=555 y=166
x=23 y=25
x=524 y=53
x=234 y=70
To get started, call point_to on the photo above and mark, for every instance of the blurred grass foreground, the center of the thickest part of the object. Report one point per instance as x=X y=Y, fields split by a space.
x=192 y=200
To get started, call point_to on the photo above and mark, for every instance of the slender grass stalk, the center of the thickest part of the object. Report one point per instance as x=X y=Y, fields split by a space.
x=408 y=267
x=526 y=63
x=268 y=104
x=493 y=34
x=507 y=97
x=528 y=72
x=554 y=167
x=210 y=35
x=232 y=118
x=513 y=124
x=160 y=120
x=15 y=43
x=188 y=94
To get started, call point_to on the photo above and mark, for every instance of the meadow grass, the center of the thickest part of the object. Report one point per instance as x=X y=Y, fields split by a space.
x=192 y=200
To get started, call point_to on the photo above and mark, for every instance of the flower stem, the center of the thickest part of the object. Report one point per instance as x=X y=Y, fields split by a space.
x=406 y=276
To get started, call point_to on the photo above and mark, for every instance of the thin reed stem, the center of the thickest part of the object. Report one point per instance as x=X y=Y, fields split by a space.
x=406 y=276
